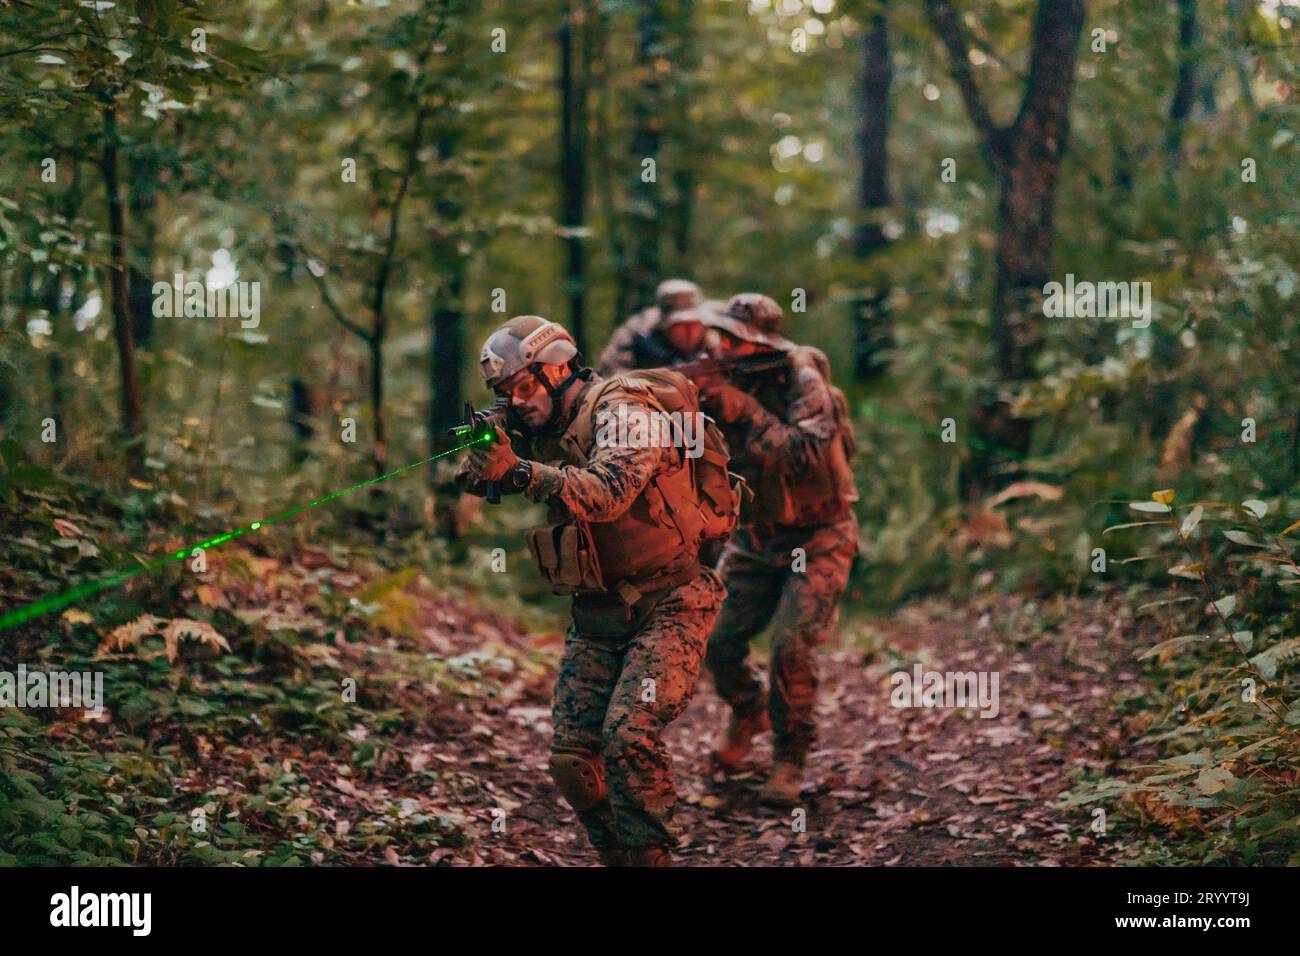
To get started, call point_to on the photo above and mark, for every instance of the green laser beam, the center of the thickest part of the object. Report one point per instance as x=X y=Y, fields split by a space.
x=26 y=613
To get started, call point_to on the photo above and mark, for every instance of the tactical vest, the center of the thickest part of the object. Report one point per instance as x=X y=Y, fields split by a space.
x=814 y=492
x=662 y=530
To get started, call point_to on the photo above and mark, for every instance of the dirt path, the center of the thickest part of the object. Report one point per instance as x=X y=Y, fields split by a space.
x=887 y=786
x=448 y=763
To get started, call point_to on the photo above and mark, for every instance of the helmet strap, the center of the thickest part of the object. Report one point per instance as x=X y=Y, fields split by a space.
x=557 y=391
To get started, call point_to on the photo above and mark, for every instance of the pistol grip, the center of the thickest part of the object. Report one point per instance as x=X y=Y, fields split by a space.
x=493 y=493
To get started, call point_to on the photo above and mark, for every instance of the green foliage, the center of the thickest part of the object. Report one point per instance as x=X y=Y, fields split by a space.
x=1226 y=788
x=17 y=475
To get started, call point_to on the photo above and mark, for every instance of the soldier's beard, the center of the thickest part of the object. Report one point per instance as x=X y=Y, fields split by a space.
x=535 y=419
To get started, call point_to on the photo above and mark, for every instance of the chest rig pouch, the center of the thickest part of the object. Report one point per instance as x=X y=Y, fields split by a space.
x=566 y=556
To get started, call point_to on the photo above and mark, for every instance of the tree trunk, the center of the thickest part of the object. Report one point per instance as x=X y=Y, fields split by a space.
x=302 y=410
x=376 y=343
x=645 y=206
x=379 y=322
x=119 y=298
x=68 y=206
x=447 y=321
x=603 y=176
x=872 y=331
x=58 y=383
x=573 y=173
x=1180 y=107
x=1025 y=159
x=447 y=329
x=684 y=164
x=1240 y=53
x=1024 y=258
x=143 y=203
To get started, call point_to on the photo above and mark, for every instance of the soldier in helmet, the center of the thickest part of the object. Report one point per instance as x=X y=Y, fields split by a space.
x=791 y=438
x=619 y=539
x=638 y=342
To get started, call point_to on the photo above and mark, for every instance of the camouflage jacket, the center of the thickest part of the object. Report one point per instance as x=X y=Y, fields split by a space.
x=793 y=444
x=602 y=489
x=796 y=413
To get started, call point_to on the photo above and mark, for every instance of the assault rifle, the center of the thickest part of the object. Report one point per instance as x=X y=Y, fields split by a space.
x=651 y=351
x=480 y=426
x=707 y=370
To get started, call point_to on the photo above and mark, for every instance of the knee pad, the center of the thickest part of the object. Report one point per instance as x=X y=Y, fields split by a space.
x=580 y=775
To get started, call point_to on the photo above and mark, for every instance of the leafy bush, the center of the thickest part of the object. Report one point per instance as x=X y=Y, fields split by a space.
x=1227 y=786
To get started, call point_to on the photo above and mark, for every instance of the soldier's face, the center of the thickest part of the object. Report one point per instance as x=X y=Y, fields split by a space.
x=730 y=345
x=685 y=337
x=529 y=397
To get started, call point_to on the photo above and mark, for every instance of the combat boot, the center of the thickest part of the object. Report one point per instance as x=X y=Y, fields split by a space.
x=784 y=785
x=649 y=856
x=613 y=856
x=734 y=743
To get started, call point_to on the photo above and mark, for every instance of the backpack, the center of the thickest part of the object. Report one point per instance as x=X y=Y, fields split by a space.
x=718 y=490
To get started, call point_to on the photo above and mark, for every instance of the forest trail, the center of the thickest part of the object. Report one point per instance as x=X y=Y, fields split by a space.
x=885 y=786
x=441 y=759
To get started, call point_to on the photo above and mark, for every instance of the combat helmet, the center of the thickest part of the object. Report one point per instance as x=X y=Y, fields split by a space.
x=758 y=310
x=524 y=341
x=673 y=295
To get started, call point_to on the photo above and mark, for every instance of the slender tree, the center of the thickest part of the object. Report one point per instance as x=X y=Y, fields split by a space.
x=447 y=320
x=142 y=205
x=684 y=163
x=1185 y=90
x=872 y=332
x=645 y=201
x=1025 y=159
x=119 y=298
x=573 y=150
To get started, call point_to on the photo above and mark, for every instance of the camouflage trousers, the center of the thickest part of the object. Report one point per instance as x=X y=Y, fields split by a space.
x=614 y=697
x=765 y=586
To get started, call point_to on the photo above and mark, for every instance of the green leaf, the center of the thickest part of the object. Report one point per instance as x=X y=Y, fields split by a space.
x=1267 y=662
x=1214 y=780
x=1131 y=524
x=1192 y=520
x=1241 y=537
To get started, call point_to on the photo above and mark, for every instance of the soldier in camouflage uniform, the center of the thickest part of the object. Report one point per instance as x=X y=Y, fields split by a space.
x=643 y=605
x=639 y=342
x=791 y=438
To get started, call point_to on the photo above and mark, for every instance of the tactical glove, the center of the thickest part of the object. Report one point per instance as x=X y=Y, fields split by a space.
x=729 y=404
x=492 y=462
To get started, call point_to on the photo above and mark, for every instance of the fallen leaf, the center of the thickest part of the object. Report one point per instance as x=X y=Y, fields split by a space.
x=129 y=634
x=199 y=631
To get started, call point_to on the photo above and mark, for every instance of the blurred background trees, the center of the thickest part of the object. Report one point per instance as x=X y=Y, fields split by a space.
x=902 y=176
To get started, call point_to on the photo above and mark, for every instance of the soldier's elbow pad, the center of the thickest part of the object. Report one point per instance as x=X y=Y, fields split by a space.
x=580 y=775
